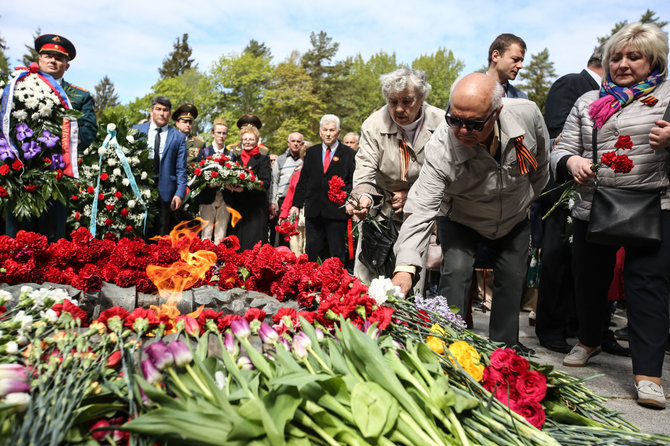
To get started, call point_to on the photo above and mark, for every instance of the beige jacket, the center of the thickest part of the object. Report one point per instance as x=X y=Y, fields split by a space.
x=471 y=187
x=378 y=157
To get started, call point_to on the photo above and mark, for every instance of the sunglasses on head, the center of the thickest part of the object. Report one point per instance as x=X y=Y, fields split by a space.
x=472 y=125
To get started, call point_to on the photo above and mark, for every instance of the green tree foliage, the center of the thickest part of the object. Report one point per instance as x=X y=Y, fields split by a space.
x=538 y=76
x=179 y=60
x=648 y=16
x=366 y=88
x=237 y=84
x=104 y=96
x=289 y=104
x=134 y=112
x=31 y=55
x=442 y=70
x=4 y=60
x=190 y=86
x=257 y=49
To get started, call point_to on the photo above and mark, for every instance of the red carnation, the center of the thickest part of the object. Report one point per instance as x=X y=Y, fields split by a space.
x=31 y=188
x=114 y=359
x=3 y=192
x=104 y=176
x=90 y=189
x=59 y=174
x=101 y=196
x=622 y=164
x=242 y=175
x=77 y=216
x=129 y=228
x=118 y=194
x=124 y=212
x=202 y=162
x=110 y=313
x=214 y=174
x=335 y=192
x=197 y=172
x=4 y=169
x=253 y=314
x=68 y=307
x=17 y=165
x=608 y=158
x=223 y=322
x=228 y=165
x=75 y=197
x=624 y=142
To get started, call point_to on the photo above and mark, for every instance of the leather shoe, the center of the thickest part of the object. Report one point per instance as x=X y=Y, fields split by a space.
x=612 y=347
x=523 y=350
x=556 y=345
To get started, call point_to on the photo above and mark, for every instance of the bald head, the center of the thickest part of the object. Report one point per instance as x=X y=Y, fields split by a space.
x=475 y=98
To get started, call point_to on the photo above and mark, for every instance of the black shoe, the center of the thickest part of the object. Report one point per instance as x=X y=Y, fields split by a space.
x=621 y=333
x=612 y=347
x=556 y=345
x=523 y=350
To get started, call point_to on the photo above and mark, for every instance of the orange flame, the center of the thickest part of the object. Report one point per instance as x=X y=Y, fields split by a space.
x=184 y=273
x=234 y=216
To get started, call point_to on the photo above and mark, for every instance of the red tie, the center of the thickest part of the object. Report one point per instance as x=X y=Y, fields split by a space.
x=326 y=160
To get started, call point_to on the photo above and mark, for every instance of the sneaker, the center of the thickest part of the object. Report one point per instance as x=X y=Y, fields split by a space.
x=579 y=356
x=650 y=394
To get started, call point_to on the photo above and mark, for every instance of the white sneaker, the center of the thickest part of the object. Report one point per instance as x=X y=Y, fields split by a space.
x=650 y=394
x=579 y=356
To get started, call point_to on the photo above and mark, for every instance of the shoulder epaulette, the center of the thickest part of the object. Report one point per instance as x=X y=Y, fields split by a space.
x=79 y=88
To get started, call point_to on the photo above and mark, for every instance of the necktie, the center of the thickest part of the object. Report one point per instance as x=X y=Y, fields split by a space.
x=326 y=160
x=157 y=151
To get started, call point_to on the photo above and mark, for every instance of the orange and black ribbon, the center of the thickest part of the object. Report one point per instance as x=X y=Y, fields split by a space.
x=404 y=159
x=524 y=157
x=649 y=101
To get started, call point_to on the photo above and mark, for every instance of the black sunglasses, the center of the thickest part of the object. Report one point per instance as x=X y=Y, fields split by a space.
x=473 y=125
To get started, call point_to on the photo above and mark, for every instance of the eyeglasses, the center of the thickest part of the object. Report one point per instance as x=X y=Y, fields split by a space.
x=473 y=125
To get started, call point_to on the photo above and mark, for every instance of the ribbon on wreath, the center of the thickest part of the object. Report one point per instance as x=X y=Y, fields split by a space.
x=70 y=129
x=110 y=140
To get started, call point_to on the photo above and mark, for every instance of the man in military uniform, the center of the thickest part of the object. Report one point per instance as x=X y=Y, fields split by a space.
x=183 y=118
x=56 y=52
x=247 y=119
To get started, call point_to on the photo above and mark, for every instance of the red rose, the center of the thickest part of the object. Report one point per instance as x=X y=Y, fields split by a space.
x=118 y=194
x=532 y=385
x=501 y=358
x=518 y=364
x=608 y=158
x=228 y=165
x=109 y=207
x=622 y=164
x=101 y=196
x=90 y=189
x=17 y=165
x=129 y=228
x=104 y=176
x=506 y=394
x=108 y=222
x=31 y=188
x=77 y=216
x=532 y=411
x=197 y=172
x=624 y=142
x=75 y=197
x=4 y=169
x=202 y=162
x=124 y=212
x=242 y=175
x=3 y=192
x=59 y=174
x=214 y=174
x=252 y=177
x=253 y=314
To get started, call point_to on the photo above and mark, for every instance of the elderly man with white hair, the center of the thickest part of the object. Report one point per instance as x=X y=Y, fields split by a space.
x=324 y=220
x=389 y=160
x=484 y=166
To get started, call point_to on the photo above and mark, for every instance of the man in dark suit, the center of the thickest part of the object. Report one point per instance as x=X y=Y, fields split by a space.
x=555 y=304
x=323 y=218
x=506 y=55
x=168 y=147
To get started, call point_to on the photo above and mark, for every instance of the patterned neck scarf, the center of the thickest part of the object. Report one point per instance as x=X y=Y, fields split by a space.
x=613 y=97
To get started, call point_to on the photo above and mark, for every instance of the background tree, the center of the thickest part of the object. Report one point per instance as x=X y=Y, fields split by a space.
x=648 y=16
x=190 y=86
x=4 y=60
x=257 y=49
x=179 y=60
x=31 y=55
x=104 y=96
x=442 y=70
x=538 y=76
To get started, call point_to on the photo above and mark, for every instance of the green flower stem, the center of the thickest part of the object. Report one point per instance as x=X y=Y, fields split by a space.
x=456 y=424
x=308 y=365
x=205 y=390
x=306 y=421
x=178 y=382
x=319 y=360
x=409 y=427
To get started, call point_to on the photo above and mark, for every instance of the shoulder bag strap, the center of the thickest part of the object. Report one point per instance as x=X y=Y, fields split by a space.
x=594 y=148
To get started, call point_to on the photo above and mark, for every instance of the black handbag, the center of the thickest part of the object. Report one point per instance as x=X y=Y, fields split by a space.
x=377 y=243
x=624 y=217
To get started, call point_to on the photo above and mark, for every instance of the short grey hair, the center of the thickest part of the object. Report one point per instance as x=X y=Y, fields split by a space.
x=352 y=133
x=647 y=38
x=403 y=78
x=328 y=119
x=596 y=59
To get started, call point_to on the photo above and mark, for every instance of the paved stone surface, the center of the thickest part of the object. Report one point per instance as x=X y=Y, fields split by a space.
x=610 y=375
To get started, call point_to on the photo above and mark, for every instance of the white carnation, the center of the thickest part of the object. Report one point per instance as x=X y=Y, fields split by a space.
x=35 y=116
x=20 y=115
x=125 y=182
x=12 y=348
x=50 y=316
x=5 y=296
x=116 y=172
x=144 y=175
x=131 y=204
x=381 y=289
x=111 y=127
x=111 y=162
x=130 y=138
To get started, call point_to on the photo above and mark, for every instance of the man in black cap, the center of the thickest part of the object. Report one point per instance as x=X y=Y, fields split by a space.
x=56 y=52
x=248 y=119
x=168 y=150
x=183 y=118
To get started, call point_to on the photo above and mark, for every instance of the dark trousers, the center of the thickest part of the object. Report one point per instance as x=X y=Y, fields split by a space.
x=317 y=230
x=51 y=223
x=166 y=219
x=555 y=300
x=508 y=253
x=647 y=287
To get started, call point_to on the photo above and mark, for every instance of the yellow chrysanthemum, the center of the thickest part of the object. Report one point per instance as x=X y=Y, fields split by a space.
x=476 y=371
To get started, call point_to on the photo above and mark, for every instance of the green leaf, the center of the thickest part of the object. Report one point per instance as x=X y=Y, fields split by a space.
x=282 y=406
x=298 y=379
x=376 y=410
x=203 y=345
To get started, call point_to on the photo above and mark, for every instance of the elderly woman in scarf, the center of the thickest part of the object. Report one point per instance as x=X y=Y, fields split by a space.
x=253 y=205
x=390 y=156
x=631 y=103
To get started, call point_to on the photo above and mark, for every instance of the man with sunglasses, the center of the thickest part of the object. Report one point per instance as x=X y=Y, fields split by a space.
x=484 y=166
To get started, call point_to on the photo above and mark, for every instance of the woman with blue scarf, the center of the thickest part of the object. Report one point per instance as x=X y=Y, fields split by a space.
x=627 y=116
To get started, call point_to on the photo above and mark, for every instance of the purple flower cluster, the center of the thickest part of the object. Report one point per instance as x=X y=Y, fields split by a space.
x=439 y=305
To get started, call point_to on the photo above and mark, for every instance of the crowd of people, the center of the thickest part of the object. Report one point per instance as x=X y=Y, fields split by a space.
x=473 y=174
